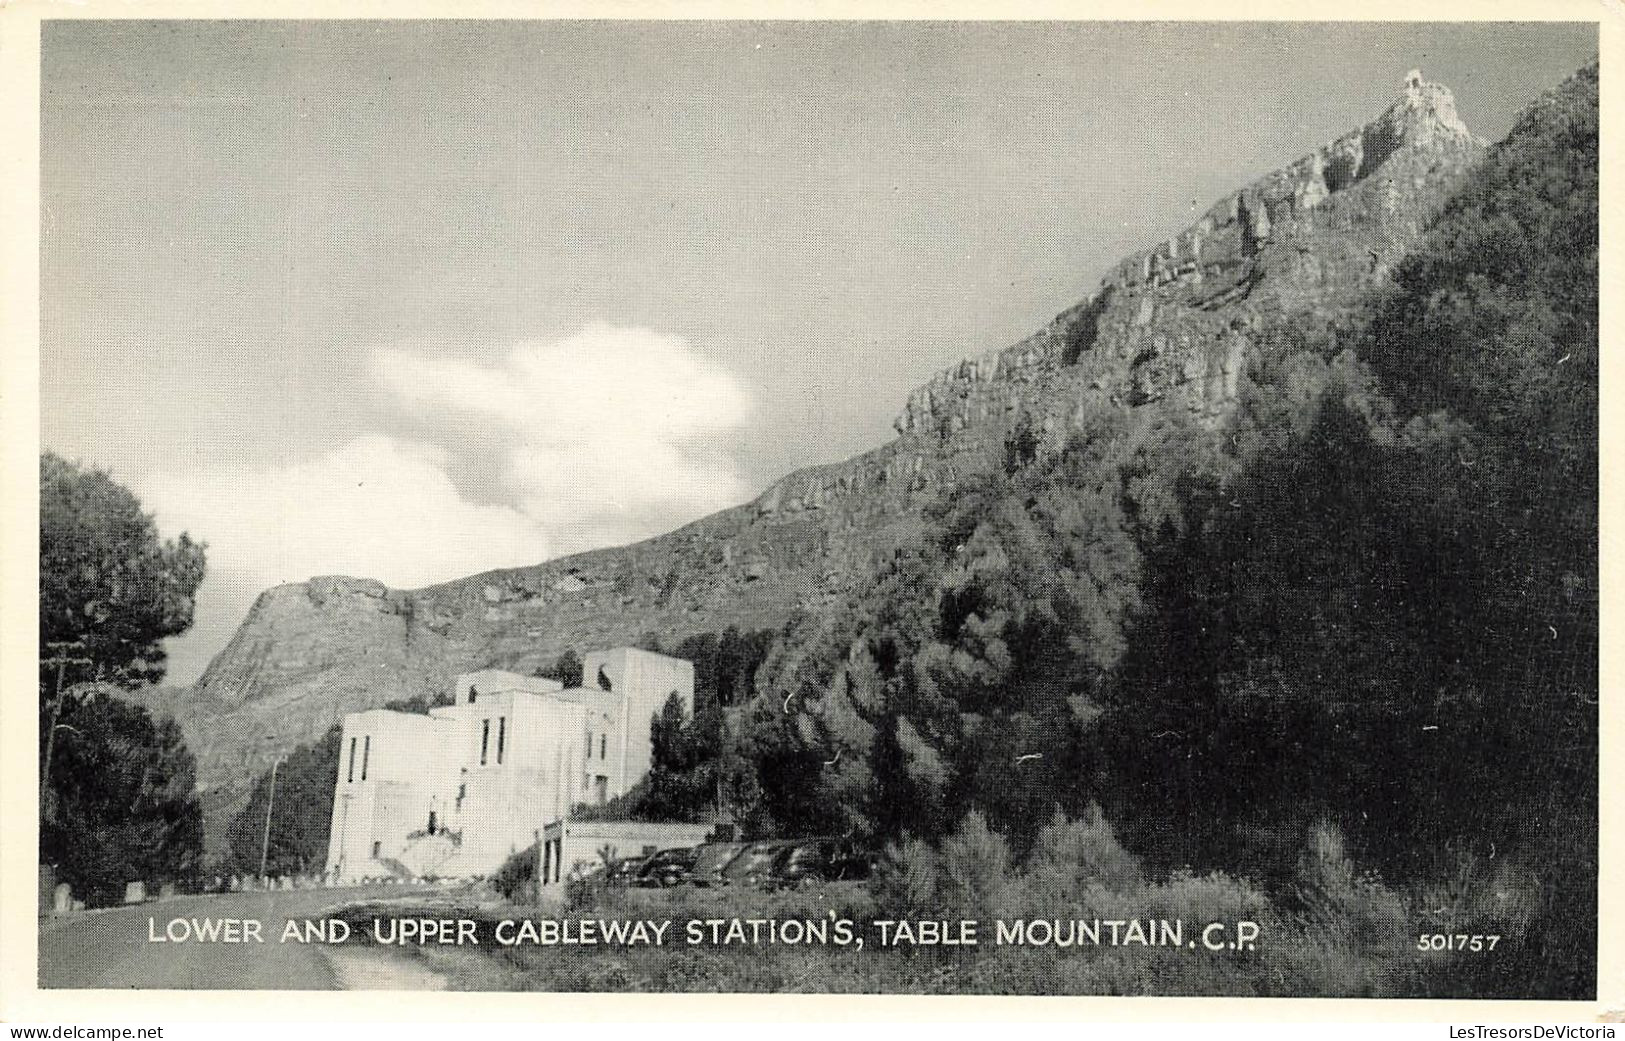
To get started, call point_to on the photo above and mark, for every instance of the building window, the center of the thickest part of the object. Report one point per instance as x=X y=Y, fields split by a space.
x=377 y=850
x=366 y=754
x=603 y=743
x=350 y=776
x=431 y=822
x=473 y=695
x=589 y=744
x=485 y=740
x=603 y=790
x=502 y=736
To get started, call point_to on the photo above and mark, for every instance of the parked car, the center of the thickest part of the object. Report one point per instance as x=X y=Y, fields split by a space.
x=852 y=863
x=669 y=867
x=801 y=862
x=625 y=871
x=754 y=865
x=712 y=860
x=819 y=859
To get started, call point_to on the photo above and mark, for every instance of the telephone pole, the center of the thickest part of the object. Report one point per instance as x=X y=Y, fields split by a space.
x=61 y=659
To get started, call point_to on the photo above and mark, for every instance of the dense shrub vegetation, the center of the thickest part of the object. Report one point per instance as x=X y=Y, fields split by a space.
x=1333 y=930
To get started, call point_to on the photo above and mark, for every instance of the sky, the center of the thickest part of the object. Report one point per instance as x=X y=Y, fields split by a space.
x=413 y=300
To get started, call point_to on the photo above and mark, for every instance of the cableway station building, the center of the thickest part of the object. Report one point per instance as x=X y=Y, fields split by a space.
x=454 y=793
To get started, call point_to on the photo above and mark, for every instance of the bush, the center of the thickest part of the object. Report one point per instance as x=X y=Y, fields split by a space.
x=516 y=878
x=973 y=875
x=1070 y=855
x=905 y=880
x=1483 y=896
x=1213 y=897
x=1501 y=897
x=1357 y=910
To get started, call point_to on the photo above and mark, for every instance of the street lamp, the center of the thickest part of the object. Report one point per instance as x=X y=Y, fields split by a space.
x=270 y=801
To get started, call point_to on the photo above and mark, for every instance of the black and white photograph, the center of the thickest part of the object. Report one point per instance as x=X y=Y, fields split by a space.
x=797 y=507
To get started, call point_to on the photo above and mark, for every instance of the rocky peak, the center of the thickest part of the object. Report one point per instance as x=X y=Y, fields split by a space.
x=1309 y=235
x=1424 y=110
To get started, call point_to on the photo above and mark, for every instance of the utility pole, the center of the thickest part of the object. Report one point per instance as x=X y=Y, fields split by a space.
x=270 y=801
x=61 y=659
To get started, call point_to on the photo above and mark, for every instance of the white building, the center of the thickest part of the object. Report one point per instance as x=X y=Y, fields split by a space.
x=456 y=792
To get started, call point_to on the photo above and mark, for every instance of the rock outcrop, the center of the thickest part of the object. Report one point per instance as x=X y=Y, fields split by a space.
x=1167 y=337
x=1171 y=323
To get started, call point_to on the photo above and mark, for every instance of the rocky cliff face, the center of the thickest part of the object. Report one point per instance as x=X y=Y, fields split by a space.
x=1171 y=324
x=1166 y=338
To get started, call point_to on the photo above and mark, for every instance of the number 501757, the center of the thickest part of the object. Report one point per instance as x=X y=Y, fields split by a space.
x=1456 y=942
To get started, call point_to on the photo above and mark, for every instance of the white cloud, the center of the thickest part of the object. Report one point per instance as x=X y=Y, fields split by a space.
x=606 y=436
x=376 y=508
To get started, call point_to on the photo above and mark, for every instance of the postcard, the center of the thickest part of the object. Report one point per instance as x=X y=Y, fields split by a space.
x=884 y=506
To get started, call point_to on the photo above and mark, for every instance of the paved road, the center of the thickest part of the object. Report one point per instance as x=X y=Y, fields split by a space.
x=111 y=949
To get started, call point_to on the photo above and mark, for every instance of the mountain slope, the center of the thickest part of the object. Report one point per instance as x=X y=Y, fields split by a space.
x=1164 y=344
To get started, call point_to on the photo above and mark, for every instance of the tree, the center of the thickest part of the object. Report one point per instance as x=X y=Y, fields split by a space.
x=682 y=770
x=108 y=584
x=125 y=809
x=1020 y=447
x=699 y=763
x=966 y=672
x=566 y=669
x=116 y=799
